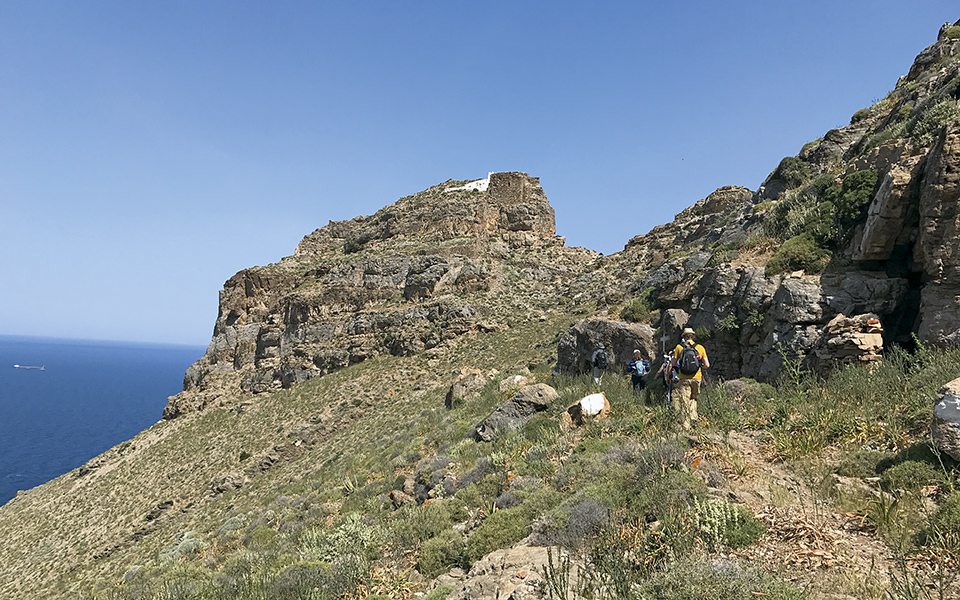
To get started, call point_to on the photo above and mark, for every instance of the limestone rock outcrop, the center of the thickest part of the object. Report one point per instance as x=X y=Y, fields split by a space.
x=946 y=420
x=509 y=573
x=417 y=275
x=466 y=386
x=593 y=406
x=518 y=410
x=619 y=338
x=849 y=341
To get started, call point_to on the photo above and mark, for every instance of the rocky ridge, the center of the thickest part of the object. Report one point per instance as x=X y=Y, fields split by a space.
x=894 y=253
x=463 y=257
x=455 y=259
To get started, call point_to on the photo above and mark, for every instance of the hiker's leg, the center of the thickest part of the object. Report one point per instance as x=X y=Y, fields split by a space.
x=684 y=400
x=675 y=396
x=694 y=395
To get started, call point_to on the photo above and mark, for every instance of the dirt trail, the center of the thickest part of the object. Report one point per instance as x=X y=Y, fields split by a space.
x=829 y=554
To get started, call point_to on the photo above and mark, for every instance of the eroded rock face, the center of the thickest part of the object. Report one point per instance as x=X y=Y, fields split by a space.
x=510 y=573
x=892 y=217
x=619 y=338
x=849 y=341
x=517 y=411
x=937 y=246
x=946 y=420
x=408 y=279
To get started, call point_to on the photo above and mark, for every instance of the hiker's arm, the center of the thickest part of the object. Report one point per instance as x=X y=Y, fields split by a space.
x=706 y=361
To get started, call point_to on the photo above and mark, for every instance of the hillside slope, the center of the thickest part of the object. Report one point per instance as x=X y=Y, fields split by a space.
x=326 y=444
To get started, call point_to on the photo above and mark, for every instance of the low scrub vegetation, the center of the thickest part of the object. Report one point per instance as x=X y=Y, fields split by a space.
x=624 y=495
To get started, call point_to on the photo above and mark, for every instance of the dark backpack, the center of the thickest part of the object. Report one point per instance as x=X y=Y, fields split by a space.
x=602 y=361
x=689 y=362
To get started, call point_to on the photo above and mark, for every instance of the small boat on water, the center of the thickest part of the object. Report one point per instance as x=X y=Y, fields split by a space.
x=43 y=368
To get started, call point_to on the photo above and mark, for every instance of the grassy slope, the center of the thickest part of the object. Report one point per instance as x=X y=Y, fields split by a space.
x=71 y=520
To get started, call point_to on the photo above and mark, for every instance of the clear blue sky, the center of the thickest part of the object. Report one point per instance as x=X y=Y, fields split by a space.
x=149 y=150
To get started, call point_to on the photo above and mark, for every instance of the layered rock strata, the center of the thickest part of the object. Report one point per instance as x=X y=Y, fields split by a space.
x=416 y=275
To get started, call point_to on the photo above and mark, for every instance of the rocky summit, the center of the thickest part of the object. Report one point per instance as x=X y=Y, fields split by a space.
x=404 y=407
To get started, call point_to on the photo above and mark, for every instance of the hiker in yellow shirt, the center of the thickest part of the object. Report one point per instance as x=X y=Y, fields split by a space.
x=689 y=359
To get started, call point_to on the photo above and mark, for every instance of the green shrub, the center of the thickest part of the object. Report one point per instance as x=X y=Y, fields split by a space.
x=703 y=333
x=728 y=323
x=860 y=115
x=932 y=119
x=763 y=207
x=259 y=537
x=441 y=553
x=717 y=580
x=793 y=171
x=499 y=530
x=824 y=209
x=821 y=184
x=852 y=197
x=352 y=535
x=910 y=476
x=639 y=308
x=863 y=463
x=188 y=546
x=413 y=524
x=542 y=429
x=799 y=252
x=944 y=527
x=953 y=33
x=440 y=593
x=574 y=526
x=723 y=524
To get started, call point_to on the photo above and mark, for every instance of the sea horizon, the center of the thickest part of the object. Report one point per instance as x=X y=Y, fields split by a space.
x=90 y=396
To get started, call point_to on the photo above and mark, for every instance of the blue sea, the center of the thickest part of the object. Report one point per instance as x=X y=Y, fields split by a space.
x=89 y=397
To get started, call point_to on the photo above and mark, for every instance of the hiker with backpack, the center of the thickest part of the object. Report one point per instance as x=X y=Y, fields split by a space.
x=638 y=369
x=689 y=360
x=600 y=361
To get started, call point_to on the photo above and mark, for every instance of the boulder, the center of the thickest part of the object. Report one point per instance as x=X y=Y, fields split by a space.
x=620 y=339
x=849 y=340
x=468 y=385
x=797 y=301
x=946 y=420
x=225 y=483
x=517 y=411
x=509 y=383
x=514 y=573
x=398 y=498
x=594 y=406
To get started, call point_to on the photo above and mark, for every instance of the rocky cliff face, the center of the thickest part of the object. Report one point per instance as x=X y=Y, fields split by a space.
x=871 y=213
x=418 y=274
x=862 y=223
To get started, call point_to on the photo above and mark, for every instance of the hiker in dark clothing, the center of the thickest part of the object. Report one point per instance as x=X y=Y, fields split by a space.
x=600 y=360
x=638 y=368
